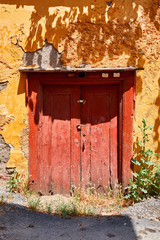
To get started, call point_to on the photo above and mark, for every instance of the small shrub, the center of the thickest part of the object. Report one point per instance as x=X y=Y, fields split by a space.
x=34 y=202
x=146 y=182
x=66 y=209
x=13 y=185
x=2 y=200
x=90 y=210
x=28 y=193
x=156 y=177
x=49 y=207
x=25 y=188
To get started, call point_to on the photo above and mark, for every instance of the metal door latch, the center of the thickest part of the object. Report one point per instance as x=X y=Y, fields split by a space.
x=81 y=101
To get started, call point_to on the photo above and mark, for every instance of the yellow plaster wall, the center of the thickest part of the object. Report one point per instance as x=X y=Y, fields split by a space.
x=86 y=31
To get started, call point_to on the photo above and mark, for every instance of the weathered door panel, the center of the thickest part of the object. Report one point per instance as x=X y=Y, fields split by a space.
x=99 y=158
x=59 y=141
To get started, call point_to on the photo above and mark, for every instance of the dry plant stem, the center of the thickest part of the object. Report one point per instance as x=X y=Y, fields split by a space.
x=82 y=202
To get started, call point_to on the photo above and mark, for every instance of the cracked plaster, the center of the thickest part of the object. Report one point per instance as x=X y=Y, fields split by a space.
x=46 y=57
x=4 y=156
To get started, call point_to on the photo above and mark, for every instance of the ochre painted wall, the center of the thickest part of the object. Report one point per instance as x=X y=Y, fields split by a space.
x=95 y=32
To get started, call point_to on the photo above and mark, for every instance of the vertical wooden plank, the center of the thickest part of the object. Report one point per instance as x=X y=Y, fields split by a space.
x=56 y=129
x=44 y=141
x=120 y=132
x=75 y=137
x=127 y=128
x=114 y=114
x=85 y=161
x=59 y=140
x=33 y=131
x=100 y=139
x=99 y=136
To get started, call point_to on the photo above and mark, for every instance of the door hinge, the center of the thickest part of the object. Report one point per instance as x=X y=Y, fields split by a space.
x=81 y=101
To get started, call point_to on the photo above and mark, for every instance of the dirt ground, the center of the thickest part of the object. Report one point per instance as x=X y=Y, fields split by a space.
x=17 y=222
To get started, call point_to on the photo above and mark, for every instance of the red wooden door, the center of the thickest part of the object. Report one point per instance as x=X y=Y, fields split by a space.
x=59 y=141
x=67 y=155
x=99 y=118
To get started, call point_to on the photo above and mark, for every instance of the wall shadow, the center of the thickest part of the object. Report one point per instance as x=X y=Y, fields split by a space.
x=156 y=128
x=95 y=27
x=22 y=84
x=18 y=222
x=45 y=98
x=137 y=154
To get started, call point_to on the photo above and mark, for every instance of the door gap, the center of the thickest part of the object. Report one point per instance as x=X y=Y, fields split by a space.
x=80 y=137
x=110 y=171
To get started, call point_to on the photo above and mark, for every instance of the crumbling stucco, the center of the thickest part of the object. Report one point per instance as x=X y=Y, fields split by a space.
x=46 y=57
x=24 y=142
x=4 y=156
x=5 y=117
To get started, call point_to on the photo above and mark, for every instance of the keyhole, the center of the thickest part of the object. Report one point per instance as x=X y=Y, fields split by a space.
x=83 y=147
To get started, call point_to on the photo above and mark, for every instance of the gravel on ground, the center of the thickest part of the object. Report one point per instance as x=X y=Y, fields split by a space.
x=17 y=222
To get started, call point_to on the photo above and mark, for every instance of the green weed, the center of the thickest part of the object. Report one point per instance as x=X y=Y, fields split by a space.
x=66 y=209
x=2 y=200
x=34 y=202
x=146 y=182
x=49 y=207
x=13 y=185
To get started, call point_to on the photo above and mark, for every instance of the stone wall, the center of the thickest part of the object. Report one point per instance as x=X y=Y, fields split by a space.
x=4 y=157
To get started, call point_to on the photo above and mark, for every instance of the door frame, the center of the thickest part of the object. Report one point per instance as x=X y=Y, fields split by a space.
x=126 y=82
